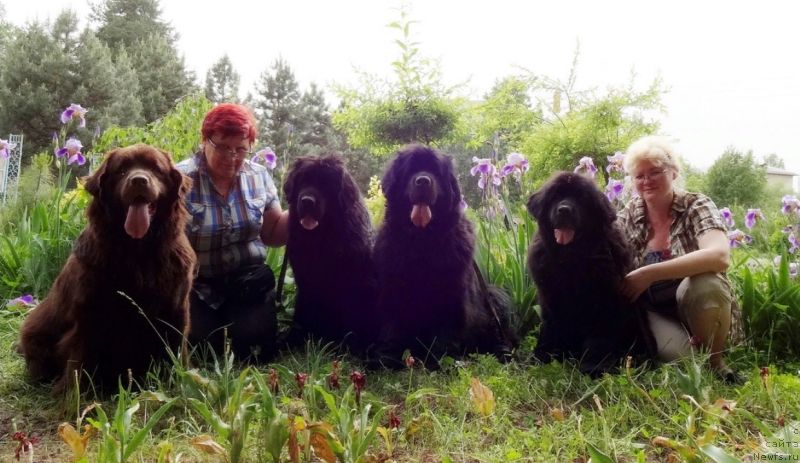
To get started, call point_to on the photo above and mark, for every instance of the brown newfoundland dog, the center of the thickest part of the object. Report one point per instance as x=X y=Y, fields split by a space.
x=329 y=248
x=134 y=244
x=578 y=260
x=431 y=299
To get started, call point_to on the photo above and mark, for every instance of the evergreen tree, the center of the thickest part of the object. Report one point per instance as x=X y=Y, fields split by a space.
x=163 y=79
x=277 y=103
x=222 y=82
x=314 y=122
x=136 y=26
x=122 y=23
x=56 y=65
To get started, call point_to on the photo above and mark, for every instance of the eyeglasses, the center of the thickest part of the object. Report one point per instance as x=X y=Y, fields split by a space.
x=654 y=175
x=224 y=150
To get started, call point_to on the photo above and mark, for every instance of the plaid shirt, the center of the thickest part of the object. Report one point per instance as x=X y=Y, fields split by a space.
x=226 y=233
x=694 y=215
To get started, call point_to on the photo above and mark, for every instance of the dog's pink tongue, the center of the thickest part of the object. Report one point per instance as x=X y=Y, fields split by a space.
x=564 y=235
x=421 y=215
x=308 y=222
x=138 y=220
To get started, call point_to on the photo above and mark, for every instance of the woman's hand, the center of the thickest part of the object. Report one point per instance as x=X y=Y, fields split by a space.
x=636 y=282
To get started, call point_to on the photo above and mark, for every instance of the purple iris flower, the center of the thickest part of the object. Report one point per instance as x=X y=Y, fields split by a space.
x=21 y=302
x=73 y=149
x=55 y=137
x=791 y=203
x=614 y=190
x=463 y=205
x=751 y=218
x=795 y=242
x=268 y=156
x=788 y=229
x=487 y=170
x=615 y=162
x=291 y=129
x=738 y=238
x=97 y=131
x=727 y=216
x=586 y=164
x=74 y=111
x=516 y=164
x=5 y=147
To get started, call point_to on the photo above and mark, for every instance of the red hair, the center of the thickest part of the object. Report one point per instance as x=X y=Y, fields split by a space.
x=230 y=120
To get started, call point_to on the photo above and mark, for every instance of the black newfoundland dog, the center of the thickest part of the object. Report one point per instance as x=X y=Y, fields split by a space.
x=578 y=260
x=134 y=243
x=329 y=249
x=430 y=297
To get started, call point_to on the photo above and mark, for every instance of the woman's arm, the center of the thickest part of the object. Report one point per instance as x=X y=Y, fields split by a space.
x=275 y=229
x=713 y=255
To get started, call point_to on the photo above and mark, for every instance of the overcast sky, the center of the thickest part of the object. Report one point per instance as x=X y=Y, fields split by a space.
x=733 y=67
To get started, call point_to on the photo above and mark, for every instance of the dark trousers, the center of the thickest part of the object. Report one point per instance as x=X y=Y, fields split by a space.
x=251 y=327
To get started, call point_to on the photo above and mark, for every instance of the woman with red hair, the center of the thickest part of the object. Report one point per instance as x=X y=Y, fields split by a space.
x=235 y=215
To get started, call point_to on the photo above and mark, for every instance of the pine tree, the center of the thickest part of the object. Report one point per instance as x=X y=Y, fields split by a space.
x=163 y=79
x=56 y=65
x=314 y=123
x=122 y=23
x=136 y=26
x=222 y=82
x=277 y=104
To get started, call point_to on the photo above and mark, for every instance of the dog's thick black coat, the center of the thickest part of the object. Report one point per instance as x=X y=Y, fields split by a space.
x=584 y=315
x=329 y=249
x=430 y=297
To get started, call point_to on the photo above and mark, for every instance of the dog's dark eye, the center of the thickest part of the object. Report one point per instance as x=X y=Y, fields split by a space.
x=122 y=173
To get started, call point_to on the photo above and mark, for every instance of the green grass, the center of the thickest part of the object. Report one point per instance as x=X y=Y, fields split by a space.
x=521 y=428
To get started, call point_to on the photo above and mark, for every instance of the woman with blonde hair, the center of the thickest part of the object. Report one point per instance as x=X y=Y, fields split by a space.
x=681 y=254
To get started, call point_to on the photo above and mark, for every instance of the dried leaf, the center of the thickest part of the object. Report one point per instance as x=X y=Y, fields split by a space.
x=208 y=445
x=321 y=448
x=294 y=447
x=557 y=414
x=663 y=442
x=77 y=443
x=482 y=397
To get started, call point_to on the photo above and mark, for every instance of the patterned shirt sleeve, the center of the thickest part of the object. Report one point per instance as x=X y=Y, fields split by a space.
x=272 y=192
x=704 y=216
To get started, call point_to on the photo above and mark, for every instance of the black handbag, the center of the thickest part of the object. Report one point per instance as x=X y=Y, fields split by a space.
x=661 y=296
x=251 y=284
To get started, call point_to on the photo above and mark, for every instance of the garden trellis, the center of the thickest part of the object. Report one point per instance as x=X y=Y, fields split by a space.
x=10 y=169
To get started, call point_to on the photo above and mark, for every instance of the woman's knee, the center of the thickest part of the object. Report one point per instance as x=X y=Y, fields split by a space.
x=671 y=338
x=699 y=293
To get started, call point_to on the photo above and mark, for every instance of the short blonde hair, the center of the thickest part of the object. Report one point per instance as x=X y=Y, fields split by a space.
x=656 y=149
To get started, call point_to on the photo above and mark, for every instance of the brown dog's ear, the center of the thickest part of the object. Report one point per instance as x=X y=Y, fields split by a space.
x=534 y=205
x=93 y=183
x=181 y=184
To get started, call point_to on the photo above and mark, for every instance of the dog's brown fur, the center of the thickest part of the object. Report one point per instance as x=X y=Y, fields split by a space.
x=84 y=322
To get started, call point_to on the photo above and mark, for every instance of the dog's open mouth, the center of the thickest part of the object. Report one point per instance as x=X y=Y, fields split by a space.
x=308 y=222
x=564 y=235
x=421 y=215
x=137 y=222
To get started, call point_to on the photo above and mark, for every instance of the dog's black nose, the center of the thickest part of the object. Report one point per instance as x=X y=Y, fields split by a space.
x=307 y=201
x=139 y=180
x=563 y=209
x=423 y=180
